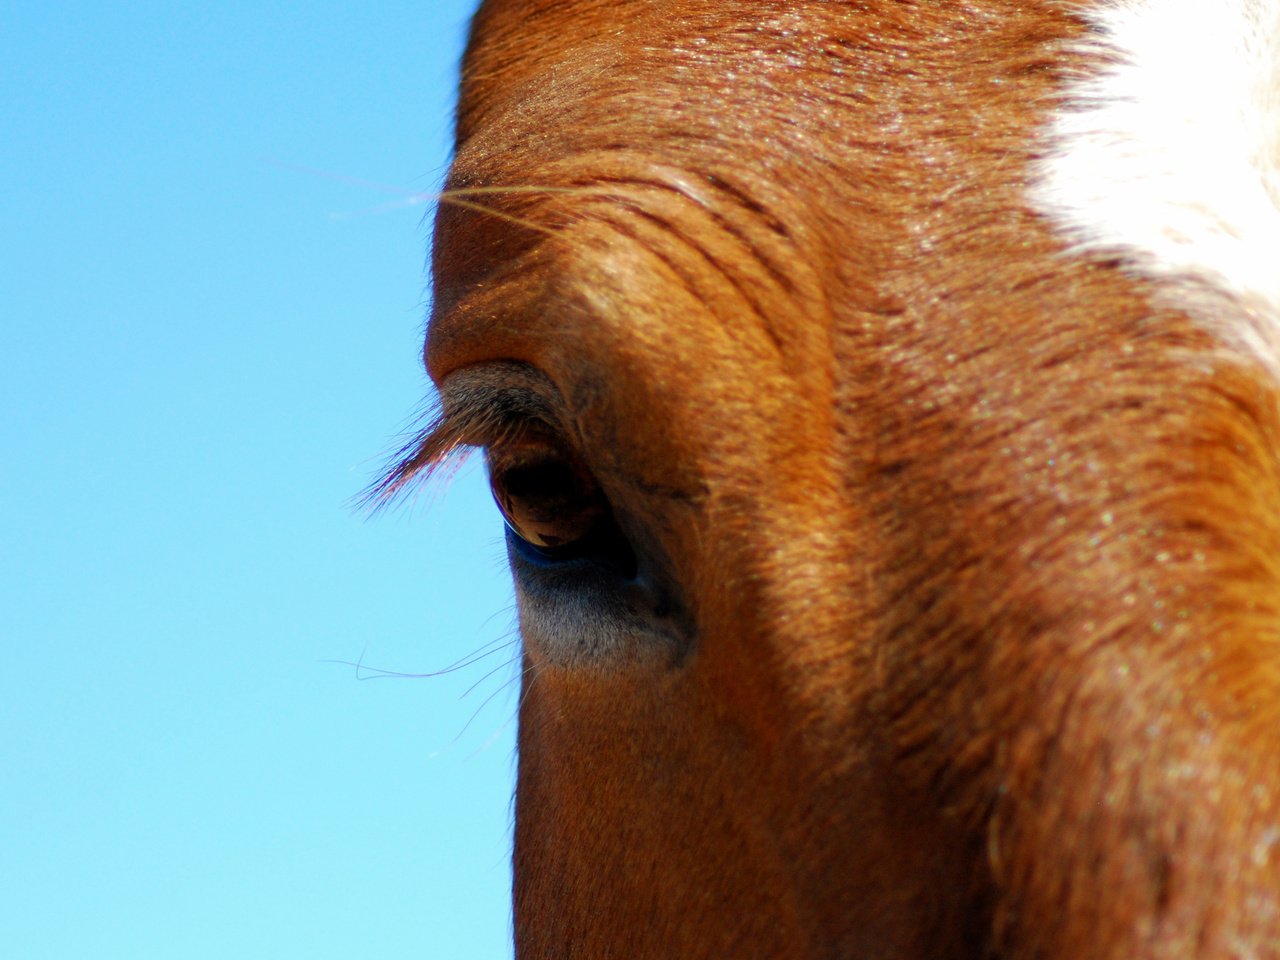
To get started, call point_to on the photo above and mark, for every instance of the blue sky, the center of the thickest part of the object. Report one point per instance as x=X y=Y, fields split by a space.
x=206 y=349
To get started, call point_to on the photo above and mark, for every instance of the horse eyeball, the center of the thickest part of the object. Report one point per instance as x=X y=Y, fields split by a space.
x=546 y=499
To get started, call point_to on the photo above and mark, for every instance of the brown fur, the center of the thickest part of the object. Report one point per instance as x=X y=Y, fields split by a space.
x=979 y=540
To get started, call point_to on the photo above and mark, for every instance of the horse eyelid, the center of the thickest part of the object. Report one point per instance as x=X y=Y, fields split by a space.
x=477 y=414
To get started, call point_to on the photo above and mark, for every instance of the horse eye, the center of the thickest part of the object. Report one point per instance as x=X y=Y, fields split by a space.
x=548 y=500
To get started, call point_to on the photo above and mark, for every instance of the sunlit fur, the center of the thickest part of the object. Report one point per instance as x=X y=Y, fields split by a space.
x=969 y=492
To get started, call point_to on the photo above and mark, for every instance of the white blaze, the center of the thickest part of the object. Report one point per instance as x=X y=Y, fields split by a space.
x=1170 y=155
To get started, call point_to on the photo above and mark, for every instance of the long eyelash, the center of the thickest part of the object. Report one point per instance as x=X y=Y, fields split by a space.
x=443 y=443
x=426 y=451
x=473 y=415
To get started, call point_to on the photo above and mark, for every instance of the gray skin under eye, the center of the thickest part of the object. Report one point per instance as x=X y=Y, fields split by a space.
x=585 y=595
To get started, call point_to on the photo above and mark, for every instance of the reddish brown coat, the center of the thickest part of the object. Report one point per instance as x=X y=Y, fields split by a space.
x=978 y=540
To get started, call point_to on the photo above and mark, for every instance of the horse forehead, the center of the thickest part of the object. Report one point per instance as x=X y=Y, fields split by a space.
x=624 y=144
x=614 y=155
x=538 y=75
x=608 y=221
x=634 y=283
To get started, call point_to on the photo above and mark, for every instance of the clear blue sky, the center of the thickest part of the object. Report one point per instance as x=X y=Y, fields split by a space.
x=204 y=353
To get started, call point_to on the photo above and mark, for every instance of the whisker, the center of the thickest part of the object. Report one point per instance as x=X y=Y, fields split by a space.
x=379 y=673
x=411 y=201
x=499 y=667
x=477 y=656
x=425 y=196
x=515 y=714
x=456 y=201
x=532 y=189
x=520 y=676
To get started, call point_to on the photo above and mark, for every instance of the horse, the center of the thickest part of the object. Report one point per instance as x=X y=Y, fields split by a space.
x=882 y=401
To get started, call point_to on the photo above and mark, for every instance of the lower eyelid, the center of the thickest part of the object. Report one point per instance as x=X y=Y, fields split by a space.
x=607 y=551
x=533 y=554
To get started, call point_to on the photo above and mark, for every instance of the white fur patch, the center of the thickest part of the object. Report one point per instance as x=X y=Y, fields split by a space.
x=1170 y=155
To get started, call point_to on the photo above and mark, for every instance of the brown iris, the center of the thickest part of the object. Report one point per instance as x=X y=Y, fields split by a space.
x=547 y=498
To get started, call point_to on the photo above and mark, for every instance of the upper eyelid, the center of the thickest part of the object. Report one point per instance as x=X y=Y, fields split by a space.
x=478 y=406
x=484 y=403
